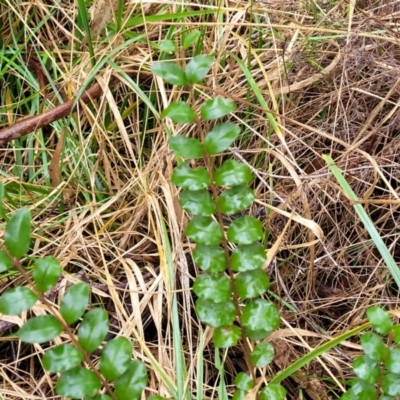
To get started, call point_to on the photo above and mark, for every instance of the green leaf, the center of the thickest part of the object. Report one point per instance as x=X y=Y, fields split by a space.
x=221 y=137
x=74 y=302
x=17 y=300
x=188 y=38
x=245 y=230
x=186 y=147
x=197 y=202
x=204 y=230
x=157 y=397
x=5 y=262
x=77 y=382
x=391 y=384
x=257 y=334
x=373 y=346
x=115 y=358
x=260 y=315
x=272 y=392
x=232 y=173
x=210 y=258
x=131 y=384
x=17 y=236
x=198 y=68
x=226 y=336
x=262 y=355
x=216 y=108
x=244 y=382
x=248 y=257
x=239 y=395
x=93 y=329
x=392 y=362
x=170 y=72
x=46 y=272
x=251 y=283
x=180 y=112
x=216 y=288
x=236 y=199
x=379 y=319
x=40 y=329
x=190 y=179
x=216 y=314
x=168 y=46
x=61 y=358
x=99 y=397
x=363 y=390
x=396 y=333
x=366 y=369
x=1 y=198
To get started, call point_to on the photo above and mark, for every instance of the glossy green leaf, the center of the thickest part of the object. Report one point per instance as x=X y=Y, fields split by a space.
x=221 y=137
x=239 y=395
x=391 y=384
x=244 y=382
x=216 y=314
x=15 y=301
x=236 y=199
x=186 y=147
x=77 y=383
x=260 y=315
x=248 y=257
x=373 y=346
x=210 y=258
x=216 y=108
x=272 y=392
x=5 y=262
x=392 y=362
x=131 y=384
x=170 y=72
x=190 y=179
x=245 y=230
x=99 y=397
x=157 y=397
x=74 y=302
x=379 y=319
x=226 y=336
x=93 y=329
x=115 y=357
x=17 y=236
x=61 y=358
x=232 y=173
x=188 y=38
x=363 y=390
x=198 y=68
x=180 y=112
x=366 y=369
x=197 y=202
x=168 y=46
x=216 y=288
x=46 y=272
x=40 y=329
x=257 y=334
x=262 y=355
x=204 y=230
x=396 y=333
x=251 y=283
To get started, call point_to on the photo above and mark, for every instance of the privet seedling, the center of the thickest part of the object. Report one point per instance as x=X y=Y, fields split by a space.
x=121 y=377
x=378 y=370
x=232 y=282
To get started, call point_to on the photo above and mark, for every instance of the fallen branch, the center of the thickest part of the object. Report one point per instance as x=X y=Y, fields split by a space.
x=32 y=124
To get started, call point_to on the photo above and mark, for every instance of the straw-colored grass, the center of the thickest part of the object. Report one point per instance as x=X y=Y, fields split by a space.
x=309 y=78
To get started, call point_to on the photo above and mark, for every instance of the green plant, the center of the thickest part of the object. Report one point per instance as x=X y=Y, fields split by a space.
x=79 y=377
x=232 y=282
x=378 y=370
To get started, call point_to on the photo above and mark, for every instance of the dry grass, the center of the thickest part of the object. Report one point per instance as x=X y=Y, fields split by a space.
x=328 y=72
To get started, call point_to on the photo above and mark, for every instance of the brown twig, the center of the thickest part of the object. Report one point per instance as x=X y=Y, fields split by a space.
x=31 y=124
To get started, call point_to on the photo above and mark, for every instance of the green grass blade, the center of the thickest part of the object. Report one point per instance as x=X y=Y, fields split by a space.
x=366 y=220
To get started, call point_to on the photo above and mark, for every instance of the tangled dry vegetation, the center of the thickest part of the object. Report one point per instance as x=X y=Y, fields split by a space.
x=329 y=74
